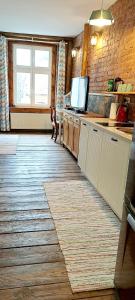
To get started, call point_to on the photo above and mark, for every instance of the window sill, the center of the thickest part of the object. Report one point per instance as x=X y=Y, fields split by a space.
x=14 y=109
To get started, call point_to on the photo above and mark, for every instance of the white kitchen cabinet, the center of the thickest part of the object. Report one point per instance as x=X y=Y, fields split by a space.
x=104 y=158
x=83 y=146
x=93 y=154
x=113 y=167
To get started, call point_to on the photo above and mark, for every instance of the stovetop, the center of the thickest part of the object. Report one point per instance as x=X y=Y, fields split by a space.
x=116 y=124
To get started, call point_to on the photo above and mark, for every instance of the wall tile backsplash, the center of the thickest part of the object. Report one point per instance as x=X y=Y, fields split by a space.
x=100 y=103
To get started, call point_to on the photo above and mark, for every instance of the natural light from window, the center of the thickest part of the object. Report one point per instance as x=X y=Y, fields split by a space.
x=32 y=76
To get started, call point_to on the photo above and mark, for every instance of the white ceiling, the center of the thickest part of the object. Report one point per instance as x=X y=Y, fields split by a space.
x=47 y=17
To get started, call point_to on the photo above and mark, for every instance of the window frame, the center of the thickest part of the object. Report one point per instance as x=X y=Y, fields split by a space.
x=31 y=108
x=32 y=70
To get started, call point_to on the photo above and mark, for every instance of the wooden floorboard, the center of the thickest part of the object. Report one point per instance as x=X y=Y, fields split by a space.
x=30 y=255
x=35 y=274
x=15 y=206
x=25 y=215
x=31 y=262
x=12 y=240
x=25 y=226
x=59 y=291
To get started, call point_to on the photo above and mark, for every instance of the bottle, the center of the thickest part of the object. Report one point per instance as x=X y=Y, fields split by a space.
x=110 y=85
x=117 y=81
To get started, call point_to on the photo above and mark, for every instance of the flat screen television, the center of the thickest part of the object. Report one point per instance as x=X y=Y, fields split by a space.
x=79 y=93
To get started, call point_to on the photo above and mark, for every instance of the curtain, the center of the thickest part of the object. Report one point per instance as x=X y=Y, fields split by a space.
x=4 y=95
x=61 y=76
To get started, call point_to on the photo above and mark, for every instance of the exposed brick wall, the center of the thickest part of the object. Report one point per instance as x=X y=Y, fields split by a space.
x=114 y=56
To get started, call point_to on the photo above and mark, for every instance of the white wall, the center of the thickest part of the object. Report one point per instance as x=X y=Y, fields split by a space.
x=30 y=121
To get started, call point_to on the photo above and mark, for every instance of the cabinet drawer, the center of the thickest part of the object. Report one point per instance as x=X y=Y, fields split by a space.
x=65 y=116
x=85 y=125
x=70 y=118
x=77 y=121
x=95 y=130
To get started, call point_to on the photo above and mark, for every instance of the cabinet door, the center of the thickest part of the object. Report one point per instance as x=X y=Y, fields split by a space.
x=83 y=146
x=76 y=135
x=70 y=134
x=113 y=171
x=93 y=154
x=65 y=131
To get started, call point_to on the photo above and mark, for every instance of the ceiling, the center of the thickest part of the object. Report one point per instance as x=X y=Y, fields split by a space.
x=47 y=17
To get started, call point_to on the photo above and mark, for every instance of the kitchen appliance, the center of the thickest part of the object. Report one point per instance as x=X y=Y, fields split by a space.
x=113 y=111
x=116 y=124
x=128 y=130
x=122 y=113
x=125 y=264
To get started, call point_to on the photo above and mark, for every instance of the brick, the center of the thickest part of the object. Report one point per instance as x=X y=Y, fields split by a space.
x=116 y=57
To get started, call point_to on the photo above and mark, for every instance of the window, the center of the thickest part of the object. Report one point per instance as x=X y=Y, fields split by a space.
x=32 y=75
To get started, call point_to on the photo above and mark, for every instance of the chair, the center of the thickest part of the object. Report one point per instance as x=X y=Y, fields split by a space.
x=55 y=125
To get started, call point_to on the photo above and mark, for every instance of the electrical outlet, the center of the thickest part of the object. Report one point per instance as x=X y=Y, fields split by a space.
x=128 y=100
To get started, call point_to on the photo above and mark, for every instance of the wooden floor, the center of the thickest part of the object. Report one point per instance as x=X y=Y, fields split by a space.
x=31 y=263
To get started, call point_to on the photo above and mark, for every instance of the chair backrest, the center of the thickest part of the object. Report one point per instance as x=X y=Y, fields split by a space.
x=53 y=115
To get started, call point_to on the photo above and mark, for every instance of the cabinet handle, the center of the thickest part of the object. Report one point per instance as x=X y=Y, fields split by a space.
x=95 y=130
x=84 y=124
x=114 y=140
x=131 y=221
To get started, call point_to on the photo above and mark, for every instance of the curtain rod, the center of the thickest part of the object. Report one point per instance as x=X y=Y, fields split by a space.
x=32 y=40
x=36 y=38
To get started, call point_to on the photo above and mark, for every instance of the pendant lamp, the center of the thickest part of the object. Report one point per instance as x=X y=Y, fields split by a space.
x=101 y=17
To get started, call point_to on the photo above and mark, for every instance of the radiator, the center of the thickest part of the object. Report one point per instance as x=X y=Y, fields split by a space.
x=30 y=121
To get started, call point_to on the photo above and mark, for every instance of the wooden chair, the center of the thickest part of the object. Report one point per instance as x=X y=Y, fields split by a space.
x=55 y=124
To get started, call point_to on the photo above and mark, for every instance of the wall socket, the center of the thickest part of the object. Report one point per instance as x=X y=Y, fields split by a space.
x=128 y=100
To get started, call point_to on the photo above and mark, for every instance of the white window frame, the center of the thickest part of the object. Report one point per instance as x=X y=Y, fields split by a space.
x=32 y=70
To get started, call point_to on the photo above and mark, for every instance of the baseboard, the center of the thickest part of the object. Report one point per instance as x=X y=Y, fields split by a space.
x=31 y=131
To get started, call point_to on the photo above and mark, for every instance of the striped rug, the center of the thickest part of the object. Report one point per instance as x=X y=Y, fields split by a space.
x=8 y=144
x=88 y=233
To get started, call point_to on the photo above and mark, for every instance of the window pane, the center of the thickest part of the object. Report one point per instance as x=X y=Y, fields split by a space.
x=41 y=58
x=23 y=57
x=41 y=89
x=23 y=89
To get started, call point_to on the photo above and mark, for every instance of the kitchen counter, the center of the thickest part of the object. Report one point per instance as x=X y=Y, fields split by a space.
x=63 y=112
x=79 y=115
x=114 y=130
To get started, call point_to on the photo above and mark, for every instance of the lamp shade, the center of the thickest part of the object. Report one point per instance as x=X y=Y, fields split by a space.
x=101 y=18
x=74 y=52
x=94 y=40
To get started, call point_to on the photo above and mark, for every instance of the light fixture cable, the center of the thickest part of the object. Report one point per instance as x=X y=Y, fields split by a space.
x=102 y=4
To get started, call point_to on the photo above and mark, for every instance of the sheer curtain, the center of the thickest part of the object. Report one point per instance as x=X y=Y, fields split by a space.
x=4 y=94
x=61 y=76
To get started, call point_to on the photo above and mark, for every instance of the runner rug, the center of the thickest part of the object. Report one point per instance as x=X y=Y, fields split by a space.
x=88 y=233
x=8 y=144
